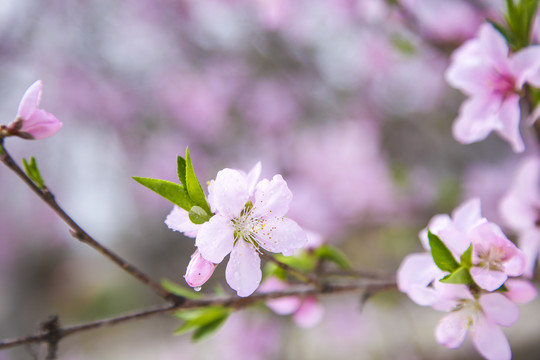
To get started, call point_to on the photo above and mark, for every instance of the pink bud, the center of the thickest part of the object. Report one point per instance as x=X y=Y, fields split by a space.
x=32 y=122
x=199 y=270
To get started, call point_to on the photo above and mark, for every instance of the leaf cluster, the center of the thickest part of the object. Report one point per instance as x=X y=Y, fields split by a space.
x=31 y=169
x=443 y=258
x=187 y=195
x=519 y=18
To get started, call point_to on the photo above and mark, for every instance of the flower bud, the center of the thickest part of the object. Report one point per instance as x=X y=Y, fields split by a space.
x=32 y=122
x=199 y=270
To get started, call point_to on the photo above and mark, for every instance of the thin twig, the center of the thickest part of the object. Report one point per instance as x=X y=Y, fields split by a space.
x=81 y=235
x=230 y=302
x=301 y=276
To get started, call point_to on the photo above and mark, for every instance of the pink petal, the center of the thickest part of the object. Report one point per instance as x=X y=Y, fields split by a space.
x=178 y=220
x=253 y=177
x=215 y=238
x=229 y=193
x=489 y=340
x=199 y=270
x=476 y=119
x=281 y=235
x=309 y=314
x=509 y=115
x=416 y=269
x=272 y=198
x=436 y=224
x=519 y=207
x=281 y=306
x=452 y=329
x=489 y=280
x=30 y=100
x=41 y=124
x=520 y=291
x=529 y=242
x=494 y=47
x=525 y=66
x=243 y=272
x=467 y=215
x=499 y=309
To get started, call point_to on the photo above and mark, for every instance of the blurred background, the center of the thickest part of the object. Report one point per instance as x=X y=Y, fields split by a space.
x=346 y=99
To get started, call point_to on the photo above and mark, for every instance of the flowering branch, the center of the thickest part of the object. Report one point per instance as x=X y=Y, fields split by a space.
x=77 y=232
x=233 y=302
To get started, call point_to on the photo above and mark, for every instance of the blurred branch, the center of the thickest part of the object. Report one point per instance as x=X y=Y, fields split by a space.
x=53 y=334
x=81 y=235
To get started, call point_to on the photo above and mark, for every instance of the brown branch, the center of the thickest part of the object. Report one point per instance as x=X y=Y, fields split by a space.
x=81 y=235
x=54 y=334
x=298 y=274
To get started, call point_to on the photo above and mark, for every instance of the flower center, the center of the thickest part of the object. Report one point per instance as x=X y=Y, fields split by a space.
x=246 y=226
x=502 y=84
x=492 y=259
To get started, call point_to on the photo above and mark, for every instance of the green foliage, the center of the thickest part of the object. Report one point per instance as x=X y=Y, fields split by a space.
x=31 y=169
x=441 y=254
x=179 y=290
x=173 y=192
x=188 y=195
x=459 y=276
x=519 y=19
x=197 y=215
x=466 y=258
x=181 y=170
x=333 y=254
x=203 y=321
x=193 y=186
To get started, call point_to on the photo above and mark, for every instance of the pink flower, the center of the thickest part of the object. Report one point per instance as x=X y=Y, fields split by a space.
x=418 y=271
x=32 y=122
x=483 y=69
x=248 y=215
x=199 y=270
x=307 y=312
x=480 y=316
x=520 y=208
x=494 y=257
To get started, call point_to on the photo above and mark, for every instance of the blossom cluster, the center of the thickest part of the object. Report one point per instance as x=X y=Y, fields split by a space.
x=470 y=270
x=248 y=217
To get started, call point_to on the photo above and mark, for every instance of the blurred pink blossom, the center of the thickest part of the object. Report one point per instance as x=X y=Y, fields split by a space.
x=494 y=257
x=481 y=316
x=248 y=214
x=520 y=209
x=483 y=69
x=32 y=122
x=307 y=312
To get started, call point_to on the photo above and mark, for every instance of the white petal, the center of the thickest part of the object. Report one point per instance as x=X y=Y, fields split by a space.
x=509 y=116
x=215 y=239
x=452 y=329
x=178 y=220
x=467 y=215
x=489 y=340
x=253 y=177
x=230 y=193
x=243 y=272
x=281 y=235
x=499 y=309
x=272 y=198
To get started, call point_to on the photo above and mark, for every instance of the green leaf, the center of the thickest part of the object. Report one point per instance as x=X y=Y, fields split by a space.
x=173 y=192
x=466 y=258
x=459 y=276
x=271 y=269
x=302 y=261
x=197 y=215
x=209 y=329
x=179 y=290
x=441 y=255
x=181 y=170
x=334 y=255
x=193 y=186
x=205 y=321
x=32 y=171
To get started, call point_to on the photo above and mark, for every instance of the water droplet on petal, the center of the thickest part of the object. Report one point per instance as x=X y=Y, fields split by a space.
x=198 y=288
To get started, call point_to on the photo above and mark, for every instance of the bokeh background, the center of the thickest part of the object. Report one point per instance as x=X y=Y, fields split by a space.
x=345 y=98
